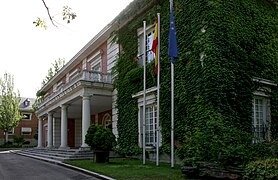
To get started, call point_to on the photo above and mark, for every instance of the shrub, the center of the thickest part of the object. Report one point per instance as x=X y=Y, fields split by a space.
x=19 y=140
x=265 y=150
x=262 y=169
x=99 y=138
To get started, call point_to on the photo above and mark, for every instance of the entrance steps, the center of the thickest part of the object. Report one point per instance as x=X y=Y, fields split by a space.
x=58 y=154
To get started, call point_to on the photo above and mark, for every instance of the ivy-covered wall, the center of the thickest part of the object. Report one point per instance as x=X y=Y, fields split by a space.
x=222 y=46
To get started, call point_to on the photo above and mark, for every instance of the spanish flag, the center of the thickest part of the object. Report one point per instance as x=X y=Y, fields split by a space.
x=155 y=46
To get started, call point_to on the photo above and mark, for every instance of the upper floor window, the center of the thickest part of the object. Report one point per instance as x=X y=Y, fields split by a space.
x=27 y=116
x=149 y=40
x=95 y=63
x=261 y=118
x=96 y=71
x=27 y=102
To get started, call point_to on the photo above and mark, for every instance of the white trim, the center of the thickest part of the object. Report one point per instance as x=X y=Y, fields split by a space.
x=149 y=28
x=95 y=57
x=95 y=63
x=264 y=81
x=26 y=129
x=140 y=93
x=106 y=117
x=73 y=74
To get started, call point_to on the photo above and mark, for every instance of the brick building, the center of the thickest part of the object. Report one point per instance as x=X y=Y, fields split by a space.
x=27 y=127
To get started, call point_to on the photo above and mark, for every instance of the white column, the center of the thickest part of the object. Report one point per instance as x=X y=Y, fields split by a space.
x=64 y=127
x=50 y=130
x=86 y=119
x=40 y=133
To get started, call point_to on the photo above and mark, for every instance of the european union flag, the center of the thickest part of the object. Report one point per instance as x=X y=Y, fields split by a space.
x=172 y=46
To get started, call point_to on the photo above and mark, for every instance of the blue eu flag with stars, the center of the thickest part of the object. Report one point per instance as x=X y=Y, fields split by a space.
x=172 y=46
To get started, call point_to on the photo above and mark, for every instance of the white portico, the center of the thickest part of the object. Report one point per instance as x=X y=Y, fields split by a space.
x=70 y=113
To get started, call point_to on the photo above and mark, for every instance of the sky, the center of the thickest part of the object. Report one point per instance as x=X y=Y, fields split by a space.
x=27 y=52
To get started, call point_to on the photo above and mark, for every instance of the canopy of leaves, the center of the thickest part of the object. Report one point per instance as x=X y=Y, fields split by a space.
x=9 y=104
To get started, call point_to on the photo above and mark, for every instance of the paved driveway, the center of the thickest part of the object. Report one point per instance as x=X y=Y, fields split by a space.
x=16 y=167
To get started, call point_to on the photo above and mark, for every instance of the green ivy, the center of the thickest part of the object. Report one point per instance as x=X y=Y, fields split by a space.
x=238 y=41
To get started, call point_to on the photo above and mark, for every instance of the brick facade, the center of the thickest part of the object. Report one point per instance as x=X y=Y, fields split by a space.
x=24 y=124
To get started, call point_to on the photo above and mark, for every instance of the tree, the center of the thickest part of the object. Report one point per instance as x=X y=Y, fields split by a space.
x=56 y=66
x=9 y=105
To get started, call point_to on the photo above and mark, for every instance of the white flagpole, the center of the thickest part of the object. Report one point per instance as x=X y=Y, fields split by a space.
x=144 y=95
x=158 y=90
x=172 y=115
x=172 y=106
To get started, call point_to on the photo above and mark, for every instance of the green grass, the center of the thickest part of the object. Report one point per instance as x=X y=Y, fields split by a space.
x=131 y=169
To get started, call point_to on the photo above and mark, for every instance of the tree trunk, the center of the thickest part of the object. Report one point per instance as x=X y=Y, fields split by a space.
x=6 y=138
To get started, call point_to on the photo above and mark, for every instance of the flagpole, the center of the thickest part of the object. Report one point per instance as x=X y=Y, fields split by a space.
x=158 y=90
x=172 y=103
x=172 y=114
x=144 y=95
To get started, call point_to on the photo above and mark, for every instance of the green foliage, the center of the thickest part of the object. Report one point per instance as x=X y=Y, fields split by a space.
x=9 y=104
x=40 y=23
x=56 y=66
x=264 y=150
x=216 y=143
x=19 y=140
x=68 y=15
x=100 y=138
x=222 y=46
x=262 y=169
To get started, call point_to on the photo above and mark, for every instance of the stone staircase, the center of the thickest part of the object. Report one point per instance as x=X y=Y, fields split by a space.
x=58 y=154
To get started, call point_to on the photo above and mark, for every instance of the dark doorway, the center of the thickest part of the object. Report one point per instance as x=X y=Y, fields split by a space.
x=71 y=133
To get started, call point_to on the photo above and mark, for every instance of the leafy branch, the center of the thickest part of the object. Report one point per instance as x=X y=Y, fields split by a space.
x=67 y=15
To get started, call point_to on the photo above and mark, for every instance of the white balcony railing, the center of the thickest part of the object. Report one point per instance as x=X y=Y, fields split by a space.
x=91 y=76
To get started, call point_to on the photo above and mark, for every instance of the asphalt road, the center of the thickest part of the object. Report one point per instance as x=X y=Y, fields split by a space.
x=16 y=167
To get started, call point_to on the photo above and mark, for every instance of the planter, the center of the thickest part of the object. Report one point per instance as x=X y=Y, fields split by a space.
x=101 y=156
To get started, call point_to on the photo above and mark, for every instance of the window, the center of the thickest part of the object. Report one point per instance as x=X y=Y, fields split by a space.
x=150 y=118
x=149 y=40
x=106 y=120
x=11 y=131
x=27 y=102
x=27 y=116
x=96 y=71
x=95 y=63
x=150 y=125
x=26 y=131
x=261 y=119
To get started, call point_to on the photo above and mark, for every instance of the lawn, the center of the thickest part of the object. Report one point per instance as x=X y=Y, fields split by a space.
x=131 y=169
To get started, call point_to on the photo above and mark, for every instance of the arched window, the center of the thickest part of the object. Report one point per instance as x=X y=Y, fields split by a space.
x=107 y=121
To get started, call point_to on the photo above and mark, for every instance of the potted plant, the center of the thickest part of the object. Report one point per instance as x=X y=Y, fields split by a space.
x=101 y=141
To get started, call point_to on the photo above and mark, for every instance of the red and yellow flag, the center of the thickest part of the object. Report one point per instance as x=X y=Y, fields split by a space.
x=155 y=46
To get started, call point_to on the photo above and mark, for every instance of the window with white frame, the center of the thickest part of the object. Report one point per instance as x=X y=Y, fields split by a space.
x=150 y=122
x=27 y=116
x=260 y=118
x=106 y=120
x=26 y=131
x=96 y=71
x=149 y=40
